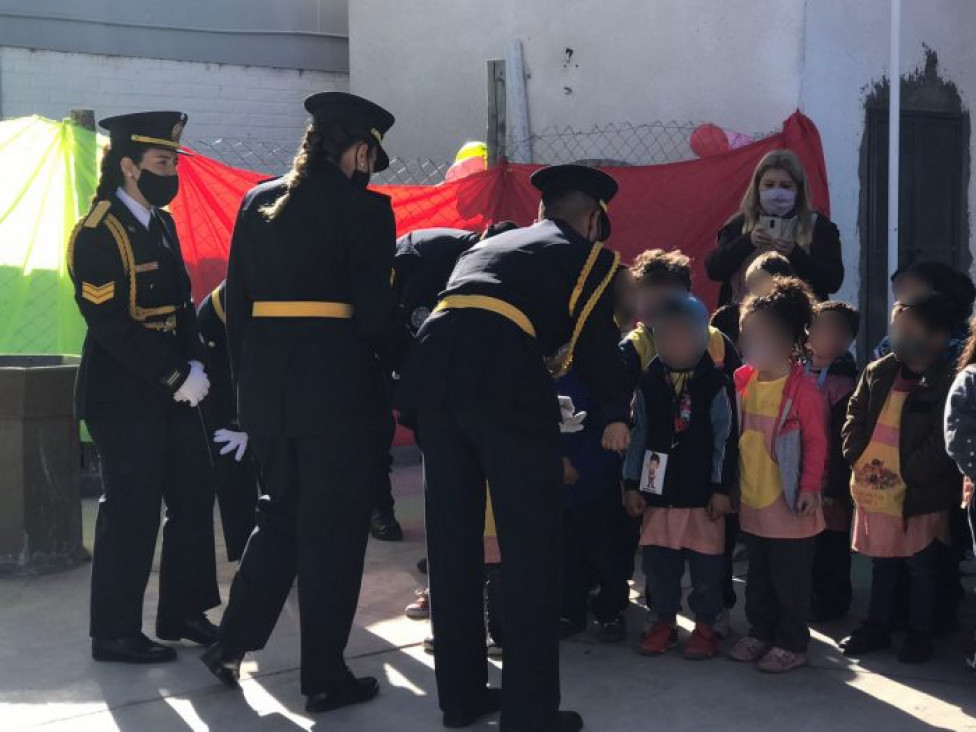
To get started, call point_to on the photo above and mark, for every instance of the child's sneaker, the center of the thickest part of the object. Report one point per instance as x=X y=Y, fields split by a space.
x=722 y=627
x=748 y=649
x=780 y=660
x=419 y=609
x=613 y=631
x=429 y=644
x=702 y=644
x=659 y=639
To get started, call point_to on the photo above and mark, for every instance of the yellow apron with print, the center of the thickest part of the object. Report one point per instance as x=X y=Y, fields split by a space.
x=876 y=482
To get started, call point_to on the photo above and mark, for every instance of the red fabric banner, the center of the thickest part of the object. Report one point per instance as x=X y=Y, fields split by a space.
x=674 y=206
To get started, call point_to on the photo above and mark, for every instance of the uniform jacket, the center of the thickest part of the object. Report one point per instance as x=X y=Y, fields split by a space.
x=221 y=399
x=134 y=294
x=467 y=358
x=422 y=265
x=931 y=478
x=332 y=242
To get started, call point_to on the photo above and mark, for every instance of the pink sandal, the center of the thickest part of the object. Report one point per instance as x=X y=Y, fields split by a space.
x=779 y=661
x=748 y=649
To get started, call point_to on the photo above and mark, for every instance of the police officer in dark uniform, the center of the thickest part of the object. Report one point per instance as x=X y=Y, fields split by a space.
x=140 y=382
x=236 y=478
x=422 y=266
x=309 y=328
x=423 y=263
x=488 y=417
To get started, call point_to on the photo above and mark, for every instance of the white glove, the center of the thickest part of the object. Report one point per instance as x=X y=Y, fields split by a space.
x=196 y=386
x=231 y=441
x=570 y=419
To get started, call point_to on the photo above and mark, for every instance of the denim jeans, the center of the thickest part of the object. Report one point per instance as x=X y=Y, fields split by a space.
x=665 y=569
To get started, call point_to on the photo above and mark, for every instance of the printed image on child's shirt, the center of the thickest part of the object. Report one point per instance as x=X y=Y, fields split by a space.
x=652 y=473
x=876 y=482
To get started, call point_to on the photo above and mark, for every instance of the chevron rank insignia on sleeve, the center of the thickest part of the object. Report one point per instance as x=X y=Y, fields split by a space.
x=98 y=294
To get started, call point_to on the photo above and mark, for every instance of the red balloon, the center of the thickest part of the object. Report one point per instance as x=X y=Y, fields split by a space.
x=708 y=140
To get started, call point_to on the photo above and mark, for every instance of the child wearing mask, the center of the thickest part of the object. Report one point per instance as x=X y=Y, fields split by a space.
x=678 y=473
x=903 y=480
x=783 y=451
x=834 y=328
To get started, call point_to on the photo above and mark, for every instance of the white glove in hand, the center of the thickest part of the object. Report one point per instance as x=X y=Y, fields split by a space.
x=196 y=386
x=570 y=419
x=231 y=441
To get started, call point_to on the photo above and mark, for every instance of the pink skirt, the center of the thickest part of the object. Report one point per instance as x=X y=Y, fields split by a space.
x=884 y=536
x=683 y=528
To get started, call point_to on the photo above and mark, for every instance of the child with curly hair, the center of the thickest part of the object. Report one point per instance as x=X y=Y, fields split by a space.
x=782 y=453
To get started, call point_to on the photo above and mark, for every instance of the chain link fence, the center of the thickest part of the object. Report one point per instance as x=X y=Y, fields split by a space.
x=276 y=158
x=622 y=143
x=614 y=143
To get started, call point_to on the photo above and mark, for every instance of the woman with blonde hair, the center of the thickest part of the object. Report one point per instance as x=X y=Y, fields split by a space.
x=777 y=215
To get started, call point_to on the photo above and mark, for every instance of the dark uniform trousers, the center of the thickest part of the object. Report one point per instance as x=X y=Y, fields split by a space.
x=146 y=460
x=313 y=522
x=518 y=453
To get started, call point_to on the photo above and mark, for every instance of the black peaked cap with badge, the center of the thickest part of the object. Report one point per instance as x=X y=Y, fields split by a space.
x=356 y=112
x=153 y=129
x=601 y=187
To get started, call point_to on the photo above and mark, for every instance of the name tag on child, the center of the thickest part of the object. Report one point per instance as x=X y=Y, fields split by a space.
x=652 y=473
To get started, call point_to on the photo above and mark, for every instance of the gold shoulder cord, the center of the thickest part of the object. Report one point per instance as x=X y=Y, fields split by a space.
x=584 y=275
x=137 y=313
x=218 y=306
x=567 y=361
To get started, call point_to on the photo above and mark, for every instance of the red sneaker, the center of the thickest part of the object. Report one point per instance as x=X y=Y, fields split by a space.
x=659 y=639
x=702 y=644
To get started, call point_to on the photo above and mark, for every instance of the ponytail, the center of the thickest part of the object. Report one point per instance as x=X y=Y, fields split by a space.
x=323 y=144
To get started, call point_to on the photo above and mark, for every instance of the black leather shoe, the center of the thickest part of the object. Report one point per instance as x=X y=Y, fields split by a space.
x=490 y=703
x=225 y=666
x=385 y=527
x=568 y=628
x=865 y=639
x=198 y=630
x=916 y=648
x=131 y=649
x=355 y=691
x=565 y=722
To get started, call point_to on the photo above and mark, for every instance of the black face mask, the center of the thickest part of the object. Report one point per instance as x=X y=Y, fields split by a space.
x=159 y=190
x=359 y=178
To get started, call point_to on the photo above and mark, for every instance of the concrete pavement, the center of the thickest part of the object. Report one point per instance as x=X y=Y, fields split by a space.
x=48 y=680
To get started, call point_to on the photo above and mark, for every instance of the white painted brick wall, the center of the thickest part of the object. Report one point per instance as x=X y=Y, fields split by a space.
x=222 y=100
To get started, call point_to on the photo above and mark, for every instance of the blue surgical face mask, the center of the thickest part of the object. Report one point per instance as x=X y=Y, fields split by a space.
x=777 y=201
